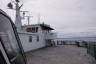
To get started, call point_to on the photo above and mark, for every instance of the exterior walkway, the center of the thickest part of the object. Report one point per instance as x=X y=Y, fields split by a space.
x=63 y=54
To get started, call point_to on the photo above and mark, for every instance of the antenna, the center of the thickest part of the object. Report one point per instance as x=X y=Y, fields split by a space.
x=28 y=18
x=24 y=13
x=39 y=18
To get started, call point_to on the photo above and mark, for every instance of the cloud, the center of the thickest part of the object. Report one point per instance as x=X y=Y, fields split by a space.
x=66 y=16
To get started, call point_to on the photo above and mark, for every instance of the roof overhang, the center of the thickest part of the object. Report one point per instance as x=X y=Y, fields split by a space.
x=46 y=27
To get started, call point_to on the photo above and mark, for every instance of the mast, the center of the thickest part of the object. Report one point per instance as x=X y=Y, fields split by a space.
x=18 y=22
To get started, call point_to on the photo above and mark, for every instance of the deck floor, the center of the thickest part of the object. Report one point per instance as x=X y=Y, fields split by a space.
x=63 y=54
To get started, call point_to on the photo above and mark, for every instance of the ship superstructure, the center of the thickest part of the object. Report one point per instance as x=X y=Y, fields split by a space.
x=36 y=36
x=33 y=36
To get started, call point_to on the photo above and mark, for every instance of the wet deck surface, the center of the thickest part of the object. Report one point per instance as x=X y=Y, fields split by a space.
x=67 y=54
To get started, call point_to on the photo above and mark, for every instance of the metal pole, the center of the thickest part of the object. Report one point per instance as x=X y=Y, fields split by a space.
x=28 y=20
x=18 y=17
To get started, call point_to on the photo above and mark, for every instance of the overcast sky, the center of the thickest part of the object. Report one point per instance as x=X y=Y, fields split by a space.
x=68 y=17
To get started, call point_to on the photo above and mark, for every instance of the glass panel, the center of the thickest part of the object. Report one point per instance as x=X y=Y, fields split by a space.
x=2 y=61
x=9 y=41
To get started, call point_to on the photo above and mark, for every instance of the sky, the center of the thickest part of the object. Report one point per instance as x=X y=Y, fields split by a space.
x=69 y=18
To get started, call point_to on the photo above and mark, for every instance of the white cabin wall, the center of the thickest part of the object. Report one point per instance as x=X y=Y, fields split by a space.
x=29 y=46
x=41 y=36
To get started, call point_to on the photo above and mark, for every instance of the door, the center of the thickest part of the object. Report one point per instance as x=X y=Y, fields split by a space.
x=10 y=40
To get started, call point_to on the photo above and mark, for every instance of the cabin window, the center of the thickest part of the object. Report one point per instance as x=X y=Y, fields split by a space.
x=37 y=38
x=36 y=29
x=33 y=29
x=30 y=38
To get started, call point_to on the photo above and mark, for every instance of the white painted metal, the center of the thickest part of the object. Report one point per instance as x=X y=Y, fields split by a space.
x=43 y=36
